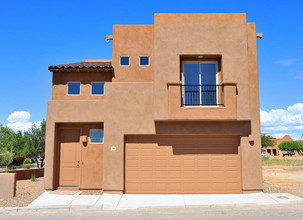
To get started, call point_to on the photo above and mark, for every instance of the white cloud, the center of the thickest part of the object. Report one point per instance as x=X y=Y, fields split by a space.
x=20 y=121
x=286 y=62
x=278 y=122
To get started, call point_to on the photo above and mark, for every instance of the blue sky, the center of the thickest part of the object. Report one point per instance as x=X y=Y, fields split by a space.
x=35 y=34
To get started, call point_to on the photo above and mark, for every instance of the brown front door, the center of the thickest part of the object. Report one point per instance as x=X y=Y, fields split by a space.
x=69 y=157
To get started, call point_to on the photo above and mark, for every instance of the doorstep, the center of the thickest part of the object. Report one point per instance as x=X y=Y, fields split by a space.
x=135 y=201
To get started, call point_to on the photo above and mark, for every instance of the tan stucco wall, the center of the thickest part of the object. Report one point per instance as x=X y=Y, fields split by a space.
x=61 y=78
x=133 y=41
x=126 y=109
x=140 y=101
x=8 y=185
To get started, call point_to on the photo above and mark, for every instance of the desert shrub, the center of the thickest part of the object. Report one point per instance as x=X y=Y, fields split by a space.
x=27 y=161
x=33 y=178
x=6 y=157
x=18 y=160
x=265 y=158
x=12 y=167
x=27 y=166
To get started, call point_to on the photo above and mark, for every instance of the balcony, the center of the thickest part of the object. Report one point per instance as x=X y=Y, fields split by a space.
x=202 y=95
x=202 y=102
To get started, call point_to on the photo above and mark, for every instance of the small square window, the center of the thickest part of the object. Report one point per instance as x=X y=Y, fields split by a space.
x=124 y=61
x=144 y=61
x=97 y=88
x=73 y=88
x=96 y=136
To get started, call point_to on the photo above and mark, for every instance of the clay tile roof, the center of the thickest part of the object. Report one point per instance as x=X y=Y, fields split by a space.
x=83 y=65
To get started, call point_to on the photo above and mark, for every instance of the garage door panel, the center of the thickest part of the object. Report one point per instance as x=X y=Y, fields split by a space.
x=182 y=164
x=173 y=174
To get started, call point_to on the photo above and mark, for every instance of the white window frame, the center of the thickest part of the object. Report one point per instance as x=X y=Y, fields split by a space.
x=90 y=135
x=148 y=61
x=73 y=94
x=128 y=61
x=217 y=81
x=91 y=88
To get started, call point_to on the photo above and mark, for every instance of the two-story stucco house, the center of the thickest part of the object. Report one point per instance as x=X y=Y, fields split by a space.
x=176 y=110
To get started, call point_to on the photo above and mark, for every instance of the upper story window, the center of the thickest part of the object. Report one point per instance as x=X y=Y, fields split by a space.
x=124 y=61
x=96 y=136
x=97 y=88
x=144 y=61
x=200 y=83
x=73 y=88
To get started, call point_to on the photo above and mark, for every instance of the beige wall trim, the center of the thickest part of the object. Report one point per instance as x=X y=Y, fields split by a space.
x=259 y=35
x=229 y=83
x=174 y=83
x=109 y=37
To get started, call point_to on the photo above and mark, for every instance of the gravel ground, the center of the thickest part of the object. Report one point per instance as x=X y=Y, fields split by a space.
x=283 y=179
x=26 y=192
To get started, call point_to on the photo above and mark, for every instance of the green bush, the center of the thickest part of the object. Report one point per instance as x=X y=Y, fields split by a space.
x=265 y=158
x=287 y=145
x=27 y=166
x=27 y=161
x=33 y=178
x=12 y=167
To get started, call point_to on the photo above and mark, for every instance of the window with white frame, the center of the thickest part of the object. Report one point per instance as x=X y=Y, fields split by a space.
x=96 y=136
x=124 y=61
x=144 y=61
x=73 y=88
x=200 y=83
x=97 y=88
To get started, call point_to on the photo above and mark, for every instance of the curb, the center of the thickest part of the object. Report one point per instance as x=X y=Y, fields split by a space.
x=7 y=210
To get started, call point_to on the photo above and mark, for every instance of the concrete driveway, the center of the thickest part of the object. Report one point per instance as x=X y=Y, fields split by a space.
x=135 y=201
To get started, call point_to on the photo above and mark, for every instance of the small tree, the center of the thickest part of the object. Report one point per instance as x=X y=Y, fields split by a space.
x=293 y=146
x=7 y=136
x=34 y=143
x=6 y=157
x=266 y=140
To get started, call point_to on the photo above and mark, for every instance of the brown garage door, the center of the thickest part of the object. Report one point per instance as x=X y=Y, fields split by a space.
x=182 y=164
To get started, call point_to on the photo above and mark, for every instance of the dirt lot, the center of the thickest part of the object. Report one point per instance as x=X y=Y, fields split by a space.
x=27 y=192
x=281 y=178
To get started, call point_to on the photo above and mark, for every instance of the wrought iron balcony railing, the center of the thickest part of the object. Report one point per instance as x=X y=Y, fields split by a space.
x=202 y=95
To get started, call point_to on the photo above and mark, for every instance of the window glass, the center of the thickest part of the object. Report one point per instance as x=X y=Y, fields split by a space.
x=209 y=80
x=191 y=86
x=97 y=88
x=124 y=61
x=73 y=88
x=96 y=136
x=144 y=61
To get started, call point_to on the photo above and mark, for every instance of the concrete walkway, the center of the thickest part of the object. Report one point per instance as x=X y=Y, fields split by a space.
x=135 y=201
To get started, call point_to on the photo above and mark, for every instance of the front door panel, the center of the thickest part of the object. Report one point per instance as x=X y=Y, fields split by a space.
x=91 y=161
x=69 y=157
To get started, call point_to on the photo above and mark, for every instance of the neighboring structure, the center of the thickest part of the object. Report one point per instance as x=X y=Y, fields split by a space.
x=274 y=150
x=176 y=111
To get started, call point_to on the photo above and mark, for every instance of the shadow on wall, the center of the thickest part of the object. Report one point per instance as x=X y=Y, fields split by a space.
x=212 y=128
x=196 y=137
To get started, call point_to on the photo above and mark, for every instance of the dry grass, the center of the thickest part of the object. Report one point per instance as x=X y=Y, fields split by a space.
x=281 y=161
